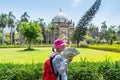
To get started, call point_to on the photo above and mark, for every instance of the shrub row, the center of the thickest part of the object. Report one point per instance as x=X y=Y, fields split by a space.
x=94 y=71
x=82 y=70
x=12 y=46
x=24 y=46
x=113 y=48
x=116 y=42
x=20 y=71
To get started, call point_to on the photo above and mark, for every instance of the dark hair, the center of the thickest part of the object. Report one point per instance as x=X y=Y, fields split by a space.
x=53 y=49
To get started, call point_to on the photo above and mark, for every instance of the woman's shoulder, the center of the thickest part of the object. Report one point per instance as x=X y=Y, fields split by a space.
x=57 y=56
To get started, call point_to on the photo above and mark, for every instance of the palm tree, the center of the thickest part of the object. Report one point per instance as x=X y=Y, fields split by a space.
x=11 y=24
x=0 y=36
x=3 y=23
x=47 y=34
x=103 y=30
x=118 y=32
x=112 y=34
x=104 y=26
x=25 y=17
x=19 y=25
x=42 y=25
x=51 y=27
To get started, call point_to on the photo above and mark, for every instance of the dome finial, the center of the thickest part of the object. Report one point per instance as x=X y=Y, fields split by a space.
x=60 y=10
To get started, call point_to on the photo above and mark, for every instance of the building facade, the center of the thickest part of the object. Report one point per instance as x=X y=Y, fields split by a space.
x=63 y=27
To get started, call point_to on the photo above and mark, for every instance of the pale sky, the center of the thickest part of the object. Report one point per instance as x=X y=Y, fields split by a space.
x=74 y=9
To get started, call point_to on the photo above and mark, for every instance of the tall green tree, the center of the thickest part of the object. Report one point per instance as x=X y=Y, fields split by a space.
x=118 y=32
x=42 y=25
x=30 y=31
x=25 y=17
x=91 y=30
x=104 y=26
x=11 y=25
x=79 y=34
x=47 y=34
x=3 y=23
x=0 y=36
x=103 y=33
x=19 y=25
x=112 y=34
x=80 y=31
x=51 y=26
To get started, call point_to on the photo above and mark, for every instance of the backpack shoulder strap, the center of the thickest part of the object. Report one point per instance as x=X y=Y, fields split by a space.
x=52 y=64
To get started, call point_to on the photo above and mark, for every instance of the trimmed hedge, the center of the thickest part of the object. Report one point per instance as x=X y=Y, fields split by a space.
x=24 y=46
x=21 y=71
x=94 y=71
x=77 y=71
x=113 y=48
x=12 y=46
x=105 y=47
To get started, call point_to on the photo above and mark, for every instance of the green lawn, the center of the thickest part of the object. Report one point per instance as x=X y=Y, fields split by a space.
x=18 y=55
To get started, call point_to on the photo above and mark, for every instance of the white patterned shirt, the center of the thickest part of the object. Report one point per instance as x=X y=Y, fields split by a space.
x=60 y=66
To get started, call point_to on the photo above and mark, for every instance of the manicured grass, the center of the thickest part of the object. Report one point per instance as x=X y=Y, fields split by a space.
x=18 y=55
x=96 y=55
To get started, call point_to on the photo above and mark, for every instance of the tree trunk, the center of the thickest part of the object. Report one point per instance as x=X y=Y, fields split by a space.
x=11 y=36
x=2 y=36
x=29 y=44
x=51 y=37
x=44 y=36
x=78 y=43
x=20 y=38
x=111 y=41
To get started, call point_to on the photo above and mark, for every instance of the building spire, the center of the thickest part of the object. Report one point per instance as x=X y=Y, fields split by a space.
x=60 y=10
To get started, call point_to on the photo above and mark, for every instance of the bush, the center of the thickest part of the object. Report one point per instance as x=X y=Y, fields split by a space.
x=84 y=74
x=12 y=46
x=24 y=46
x=82 y=70
x=116 y=42
x=94 y=71
x=21 y=72
x=113 y=48
x=110 y=71
x=83 y=46
x=90 y=40
x=102 y=42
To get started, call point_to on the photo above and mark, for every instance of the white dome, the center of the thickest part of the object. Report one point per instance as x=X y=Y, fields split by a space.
x=60 y=17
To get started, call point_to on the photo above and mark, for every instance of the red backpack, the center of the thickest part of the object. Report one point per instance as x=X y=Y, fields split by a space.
x=48 y=73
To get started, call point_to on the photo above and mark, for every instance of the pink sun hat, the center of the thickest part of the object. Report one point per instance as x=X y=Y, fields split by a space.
x=59 y=43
